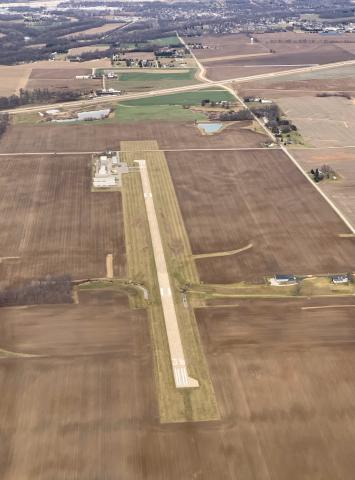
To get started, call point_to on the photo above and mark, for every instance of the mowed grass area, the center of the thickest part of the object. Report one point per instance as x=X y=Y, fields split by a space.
x=165 y=41
x=169 y=107
x=160 y=42
x=139 y=80
x=130 y=114
x=184 y=98
x=174 y=405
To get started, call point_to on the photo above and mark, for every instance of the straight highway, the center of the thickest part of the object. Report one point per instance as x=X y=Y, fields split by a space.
x=206 y=83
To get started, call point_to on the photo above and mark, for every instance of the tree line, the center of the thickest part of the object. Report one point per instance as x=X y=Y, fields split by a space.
x=37 y=95
x=4 y=122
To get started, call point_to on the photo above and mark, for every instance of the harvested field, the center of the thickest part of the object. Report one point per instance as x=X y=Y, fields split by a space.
x=89 y=48
x=224 y=70
x=222 y=45
x=322 y=121
x=233 y=68
x=342 y=191
x=170 y=135
x=271 y=350
x=15 y=77
x=59 y=79
x=97 y=325
x=231 y=199
x=282 y=42
x=139 y=55
x=58 y=73
x=97 y=31
x=104 y=402
x=53 y=222
x=12 y=78
x=340 y=79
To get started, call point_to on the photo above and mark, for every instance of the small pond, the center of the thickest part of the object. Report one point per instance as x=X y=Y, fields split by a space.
x=210 y=128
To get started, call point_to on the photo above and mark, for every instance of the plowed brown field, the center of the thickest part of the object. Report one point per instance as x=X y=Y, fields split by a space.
x=342 y=160
x=61 y=78
x=243 y=67
x=222 y=45
x=170 y=135
x=52 y=221
x=231 y=199
x=283 y=376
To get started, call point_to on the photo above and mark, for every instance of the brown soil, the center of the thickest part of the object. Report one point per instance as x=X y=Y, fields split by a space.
x=319 y=54
x=13 y=78
x=59 y=79
x=170 y=135
x=282 y=42
x=229 y=200
x=235 y=44
x=108 y=27
x=88 y=408
x=342 y=160
x=58 y=73
x=52 y=221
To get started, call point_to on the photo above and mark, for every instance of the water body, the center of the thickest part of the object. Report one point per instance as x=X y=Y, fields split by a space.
x=84 y=116
x=210 y=128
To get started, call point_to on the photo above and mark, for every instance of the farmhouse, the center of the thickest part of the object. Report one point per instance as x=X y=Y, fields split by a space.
x=285 y=279
x=339 y=279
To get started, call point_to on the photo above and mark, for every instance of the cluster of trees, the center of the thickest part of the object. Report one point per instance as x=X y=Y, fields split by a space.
x=48 y=290
x=4 y=122
x=231 y=115
x=335 y=94
x=325 y=171
x=270 y=111
x=38 y=95
x=45 y=37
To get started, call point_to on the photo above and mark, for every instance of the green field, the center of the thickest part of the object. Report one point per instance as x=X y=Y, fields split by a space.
x=143 y=76
x=165 y=41
x=140 y=80
x=160 y=42
x=130 y=114
x=168 y=107
x=185 y=98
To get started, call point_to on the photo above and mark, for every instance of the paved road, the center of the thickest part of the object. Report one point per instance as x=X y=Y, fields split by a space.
x=181 y=377
x=206 y=83
x=226 y=149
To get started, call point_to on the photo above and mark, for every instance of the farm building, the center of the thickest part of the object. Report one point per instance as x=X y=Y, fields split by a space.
x=339 y=279
x=108 y=170
x=285 y=279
